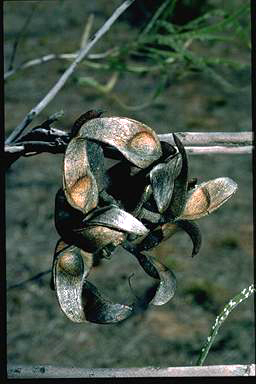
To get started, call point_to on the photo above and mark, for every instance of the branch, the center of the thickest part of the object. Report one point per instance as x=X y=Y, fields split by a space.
x=49 y=371
x=51 y=140
x=42 y=138
x=213 y=142
x=55 y=56
x=62 y=80
x=210 y=138
x=219 y=149
x=36 y=277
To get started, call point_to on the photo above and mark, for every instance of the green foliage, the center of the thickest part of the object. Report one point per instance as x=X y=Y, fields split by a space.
x=161 y=44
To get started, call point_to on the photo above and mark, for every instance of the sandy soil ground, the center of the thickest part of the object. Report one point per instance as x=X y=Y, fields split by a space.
x=171 y=335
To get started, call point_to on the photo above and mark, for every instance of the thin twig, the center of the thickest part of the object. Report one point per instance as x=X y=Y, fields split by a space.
x=62 y=80
x=87 y=31
x=18 y=38
x=157 y=14
x=22 y=283
x=42 y=138
x=56 y=56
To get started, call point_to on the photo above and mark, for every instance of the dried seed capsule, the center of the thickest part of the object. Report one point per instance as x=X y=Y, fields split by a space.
x=194 y=233
x=97 y=237
x=79 y=183
x=98 y=309
x=169 y=229
x=207 y=197
x=162 y=178
x=192 y=229
x=71 y=262
x=70 y=268
x=66 y=217
x=79 y=299
x=136 y=141
x=116 y=218
x=92 y=114
x=220 y=190
x=180 y=184
x=167 y=284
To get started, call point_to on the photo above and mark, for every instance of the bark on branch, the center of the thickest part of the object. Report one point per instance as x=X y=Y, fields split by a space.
x=46 y=139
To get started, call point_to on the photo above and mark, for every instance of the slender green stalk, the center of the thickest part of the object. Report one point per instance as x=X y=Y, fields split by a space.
x=156 y=16
x=243 y=295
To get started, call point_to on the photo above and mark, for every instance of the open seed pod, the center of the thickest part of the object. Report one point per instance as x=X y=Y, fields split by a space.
x=66 y=217
x=96 y=237
x=101 y=310
x=207 y=197
x=79 y=299
x=116 y=218
x=167 y=230
x=70 y=268
x=137 y=203
x=79 y=183
x=180 y=187
x=167 y=280
x=162 y=178
x=192 y=229
x=136 y=141
x=167 y=285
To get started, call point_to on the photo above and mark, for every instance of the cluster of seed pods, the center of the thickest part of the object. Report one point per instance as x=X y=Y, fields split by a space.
x=142 y=200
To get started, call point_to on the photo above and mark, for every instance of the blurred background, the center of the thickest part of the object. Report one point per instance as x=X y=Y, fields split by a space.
x=186 y=70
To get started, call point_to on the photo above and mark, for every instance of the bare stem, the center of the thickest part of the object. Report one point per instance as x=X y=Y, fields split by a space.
x=210 y=138
x=213 y=142
x=52 y=140
x=62 y=80
x=33 y=278
x=55 y=56
x=221 y=149
x=41 y=371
